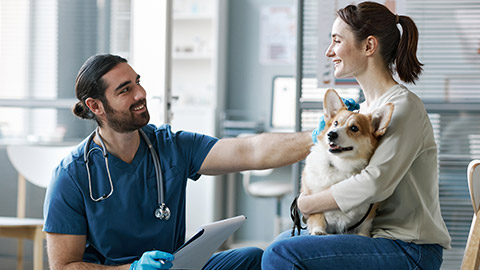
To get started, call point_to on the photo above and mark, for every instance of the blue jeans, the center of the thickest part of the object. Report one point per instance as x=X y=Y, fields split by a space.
x=346 y=251
x=236 y=259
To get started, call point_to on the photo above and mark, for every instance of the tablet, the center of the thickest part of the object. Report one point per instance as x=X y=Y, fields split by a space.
x=195 y=253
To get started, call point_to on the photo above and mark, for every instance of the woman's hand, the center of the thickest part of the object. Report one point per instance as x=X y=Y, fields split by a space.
x=300 y=197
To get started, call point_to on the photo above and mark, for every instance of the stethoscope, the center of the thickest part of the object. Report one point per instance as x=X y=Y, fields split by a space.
x=162 y=212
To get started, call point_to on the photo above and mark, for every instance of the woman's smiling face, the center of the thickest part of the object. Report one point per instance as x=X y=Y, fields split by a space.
x=346 y=52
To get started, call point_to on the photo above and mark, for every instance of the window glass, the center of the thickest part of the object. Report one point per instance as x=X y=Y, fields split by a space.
x=42 y=46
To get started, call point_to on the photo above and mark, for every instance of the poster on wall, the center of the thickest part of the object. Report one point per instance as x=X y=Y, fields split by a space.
x=326 y=16
x=278 y=34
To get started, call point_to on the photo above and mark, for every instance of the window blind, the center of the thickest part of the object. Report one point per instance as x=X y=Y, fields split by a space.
x=449 y=48
x=42 y=46
x=120 y=25
x=28 y=52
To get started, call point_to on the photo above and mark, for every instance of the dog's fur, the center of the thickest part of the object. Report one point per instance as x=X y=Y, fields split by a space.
x=344 y=148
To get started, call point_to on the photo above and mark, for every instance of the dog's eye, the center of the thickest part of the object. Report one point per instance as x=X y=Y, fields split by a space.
x=335 y=123
x=354 y=128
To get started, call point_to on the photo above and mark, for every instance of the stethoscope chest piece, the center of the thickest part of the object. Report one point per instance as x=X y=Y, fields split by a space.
x=162 y=212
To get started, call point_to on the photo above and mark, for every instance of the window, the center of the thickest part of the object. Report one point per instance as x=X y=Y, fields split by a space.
x=42 y=46
x=449 y=46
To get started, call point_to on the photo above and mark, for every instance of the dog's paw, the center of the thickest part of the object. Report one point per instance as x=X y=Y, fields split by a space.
x=318 y=231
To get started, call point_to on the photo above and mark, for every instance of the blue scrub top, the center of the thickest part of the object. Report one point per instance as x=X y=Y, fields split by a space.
x=122 y=227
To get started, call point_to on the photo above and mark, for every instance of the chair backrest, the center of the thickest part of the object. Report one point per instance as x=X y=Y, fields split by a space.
x=471 y=257
x=247 y=176
x=474 y=183
x=36 y=162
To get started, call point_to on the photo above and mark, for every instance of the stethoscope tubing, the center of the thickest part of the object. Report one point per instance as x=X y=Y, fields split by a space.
x=158 y=171
x=105 y=156
x=162 y=208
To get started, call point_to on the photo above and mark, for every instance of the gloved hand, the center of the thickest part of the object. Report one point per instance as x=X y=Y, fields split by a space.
x=351 y=105
x=153 y=260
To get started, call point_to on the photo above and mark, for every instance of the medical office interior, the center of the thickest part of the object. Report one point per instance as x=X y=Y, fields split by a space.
x=223 y=68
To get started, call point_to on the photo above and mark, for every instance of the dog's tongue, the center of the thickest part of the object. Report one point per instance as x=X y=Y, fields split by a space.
x=334 y=146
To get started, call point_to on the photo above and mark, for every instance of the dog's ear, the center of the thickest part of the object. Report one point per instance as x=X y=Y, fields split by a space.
x=332 y=104
x=381 y=119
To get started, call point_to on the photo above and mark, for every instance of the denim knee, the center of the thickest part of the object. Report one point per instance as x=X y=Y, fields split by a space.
x=251 y=257
x=236 y=259
x=283 y=235
x=273 y=257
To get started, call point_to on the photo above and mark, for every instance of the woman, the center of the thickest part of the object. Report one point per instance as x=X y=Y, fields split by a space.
x=408 y=231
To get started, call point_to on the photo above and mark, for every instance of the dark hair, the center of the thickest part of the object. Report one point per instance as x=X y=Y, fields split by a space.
x=89 y=82
x=373 y=19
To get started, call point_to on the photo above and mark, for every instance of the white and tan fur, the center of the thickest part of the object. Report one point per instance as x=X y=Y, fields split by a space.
x=344 y=148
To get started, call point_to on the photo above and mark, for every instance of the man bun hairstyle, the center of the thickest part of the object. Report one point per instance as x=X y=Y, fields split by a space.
x=89 y=83
x=399 y=51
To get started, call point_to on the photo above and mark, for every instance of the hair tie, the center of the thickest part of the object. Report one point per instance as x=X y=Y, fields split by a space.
x=397 y=18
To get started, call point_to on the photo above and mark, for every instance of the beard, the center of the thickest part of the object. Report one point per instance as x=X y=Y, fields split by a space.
x=126 y=121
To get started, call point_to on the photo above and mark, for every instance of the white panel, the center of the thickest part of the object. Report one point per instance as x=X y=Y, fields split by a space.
x=148 y=52
x=283 y=103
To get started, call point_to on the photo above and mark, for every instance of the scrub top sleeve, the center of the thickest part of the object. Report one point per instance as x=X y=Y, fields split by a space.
x=195 y=148
x=64 y=210
x=393 y=157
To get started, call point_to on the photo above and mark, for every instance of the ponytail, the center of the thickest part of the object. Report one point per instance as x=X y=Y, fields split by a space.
x=82 y=111
x=407 y=65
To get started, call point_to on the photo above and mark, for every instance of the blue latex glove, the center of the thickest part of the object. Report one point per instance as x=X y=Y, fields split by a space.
x=351 y=105
x=153 y=260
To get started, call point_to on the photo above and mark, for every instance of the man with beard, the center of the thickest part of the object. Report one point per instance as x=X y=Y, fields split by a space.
x=100 y=208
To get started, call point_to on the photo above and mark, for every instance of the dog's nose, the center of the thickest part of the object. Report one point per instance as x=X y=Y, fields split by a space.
x=332 y=135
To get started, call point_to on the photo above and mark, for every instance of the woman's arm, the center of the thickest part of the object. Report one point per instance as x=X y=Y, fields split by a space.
x=317 y=202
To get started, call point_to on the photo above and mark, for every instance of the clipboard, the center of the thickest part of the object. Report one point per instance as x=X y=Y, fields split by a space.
x=195 y=252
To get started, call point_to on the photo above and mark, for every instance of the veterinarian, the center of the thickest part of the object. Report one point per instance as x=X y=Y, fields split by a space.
x=408 y=230
x=119 y=198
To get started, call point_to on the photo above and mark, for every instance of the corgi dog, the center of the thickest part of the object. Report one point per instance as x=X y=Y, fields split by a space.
x=344 y=148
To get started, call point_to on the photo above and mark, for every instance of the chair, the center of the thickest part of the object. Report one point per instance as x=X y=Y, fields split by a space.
x=471 y=257
x=267 y=189
x=35 y=164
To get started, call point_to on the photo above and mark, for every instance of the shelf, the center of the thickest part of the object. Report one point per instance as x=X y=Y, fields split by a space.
x=191 y=56
x=192 y=17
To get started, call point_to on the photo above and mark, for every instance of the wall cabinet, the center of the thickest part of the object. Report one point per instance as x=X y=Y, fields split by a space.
x=198 y=43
